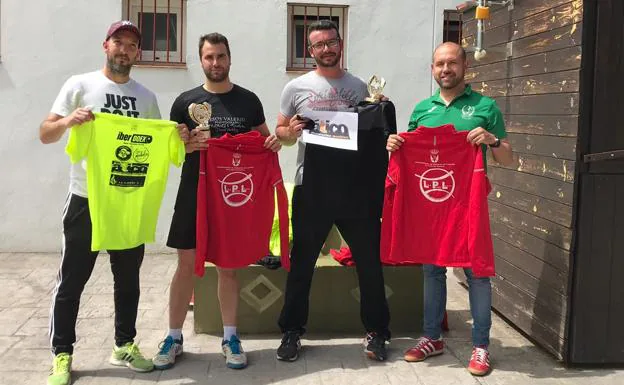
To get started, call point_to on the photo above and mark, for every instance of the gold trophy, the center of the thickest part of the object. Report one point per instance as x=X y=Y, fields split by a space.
x=201 y=113
x=376 y=85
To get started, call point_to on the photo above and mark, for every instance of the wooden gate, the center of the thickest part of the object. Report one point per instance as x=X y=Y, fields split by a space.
x=596 y=323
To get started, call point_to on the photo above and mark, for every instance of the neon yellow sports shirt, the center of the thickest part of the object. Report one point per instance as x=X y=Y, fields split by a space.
x=127 y=168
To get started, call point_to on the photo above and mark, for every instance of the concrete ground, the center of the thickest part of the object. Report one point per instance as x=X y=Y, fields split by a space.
x=28 y=279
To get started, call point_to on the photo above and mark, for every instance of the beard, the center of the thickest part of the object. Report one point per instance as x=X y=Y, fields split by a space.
x=328 y=61
x=449 y=83
x=217 y=78
x=117 y=68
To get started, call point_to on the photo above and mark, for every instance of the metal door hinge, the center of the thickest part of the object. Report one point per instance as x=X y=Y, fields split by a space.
x=600 y=156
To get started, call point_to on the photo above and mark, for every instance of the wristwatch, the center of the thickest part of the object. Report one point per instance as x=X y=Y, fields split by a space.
x=496 y=144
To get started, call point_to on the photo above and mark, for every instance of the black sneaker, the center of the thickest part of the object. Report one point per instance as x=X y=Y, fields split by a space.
x=376 y=347
x=290 y=346
x=271 y=262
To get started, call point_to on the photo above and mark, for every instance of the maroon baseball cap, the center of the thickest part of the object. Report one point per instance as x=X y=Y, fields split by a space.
x=123 y=25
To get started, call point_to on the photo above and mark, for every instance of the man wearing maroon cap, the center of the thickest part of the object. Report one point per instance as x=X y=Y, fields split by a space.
x=109 y=90
x=124 y=25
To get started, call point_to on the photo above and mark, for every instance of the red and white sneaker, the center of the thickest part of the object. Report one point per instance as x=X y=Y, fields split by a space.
x=479 y=362
x=424 y=348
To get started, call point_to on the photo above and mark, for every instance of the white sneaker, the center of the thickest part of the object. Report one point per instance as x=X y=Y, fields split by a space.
x=235 y=357
x=168 y=350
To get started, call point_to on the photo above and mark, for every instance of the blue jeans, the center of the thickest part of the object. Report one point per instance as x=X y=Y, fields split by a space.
x=480 y=294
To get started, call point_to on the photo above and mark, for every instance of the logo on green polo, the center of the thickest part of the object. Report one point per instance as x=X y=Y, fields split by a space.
x=467 y=112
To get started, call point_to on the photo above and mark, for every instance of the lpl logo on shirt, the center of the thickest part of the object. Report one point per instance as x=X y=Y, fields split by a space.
x=437 y=184
x=237 y=188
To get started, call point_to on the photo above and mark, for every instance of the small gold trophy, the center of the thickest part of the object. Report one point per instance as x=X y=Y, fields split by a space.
x=201 y=113
x=376 y=85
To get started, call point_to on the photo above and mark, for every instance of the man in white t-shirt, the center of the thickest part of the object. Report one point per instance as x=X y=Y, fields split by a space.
x=110 y=90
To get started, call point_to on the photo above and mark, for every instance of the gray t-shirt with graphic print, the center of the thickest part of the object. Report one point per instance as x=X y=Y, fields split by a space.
x=312 y=92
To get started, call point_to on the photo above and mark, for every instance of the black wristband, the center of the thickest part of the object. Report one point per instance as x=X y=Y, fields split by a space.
x=496 y=144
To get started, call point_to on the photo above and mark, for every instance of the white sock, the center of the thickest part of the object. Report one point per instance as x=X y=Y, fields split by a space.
x=176 y=334
x=228 y=332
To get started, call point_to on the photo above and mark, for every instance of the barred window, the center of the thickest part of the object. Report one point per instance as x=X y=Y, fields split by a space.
x=299 y=18
x=452 y=26
x=162 y=24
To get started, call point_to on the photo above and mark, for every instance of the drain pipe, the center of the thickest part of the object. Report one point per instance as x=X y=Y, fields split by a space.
x=482 y=13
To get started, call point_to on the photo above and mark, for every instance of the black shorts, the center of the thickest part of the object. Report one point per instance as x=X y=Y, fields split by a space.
x=183 y=224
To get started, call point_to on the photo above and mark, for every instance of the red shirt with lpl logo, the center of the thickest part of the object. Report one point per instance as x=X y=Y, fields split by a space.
x=435 y=203
x=238 y=180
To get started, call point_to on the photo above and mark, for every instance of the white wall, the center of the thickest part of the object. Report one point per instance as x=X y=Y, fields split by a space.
x=41 y=49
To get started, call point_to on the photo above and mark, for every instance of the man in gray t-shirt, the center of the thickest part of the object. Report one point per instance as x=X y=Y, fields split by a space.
x=328 y=88
x=315 y=92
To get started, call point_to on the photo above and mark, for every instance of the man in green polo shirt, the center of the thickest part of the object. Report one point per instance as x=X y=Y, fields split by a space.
x=456 y=103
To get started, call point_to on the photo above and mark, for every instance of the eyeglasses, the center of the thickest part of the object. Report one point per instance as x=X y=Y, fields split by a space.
x=333 y=43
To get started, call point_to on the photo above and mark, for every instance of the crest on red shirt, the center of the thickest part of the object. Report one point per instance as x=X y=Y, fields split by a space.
x=236 y=159
x=434 y=155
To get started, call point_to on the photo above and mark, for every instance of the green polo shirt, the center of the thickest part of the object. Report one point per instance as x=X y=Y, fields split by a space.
x=466 y=112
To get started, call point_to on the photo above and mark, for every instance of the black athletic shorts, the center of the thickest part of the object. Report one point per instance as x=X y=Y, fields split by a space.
x=183 y=224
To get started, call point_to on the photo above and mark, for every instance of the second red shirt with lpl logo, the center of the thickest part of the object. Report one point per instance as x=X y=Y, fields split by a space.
x=238 y=179
x=435 y=203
